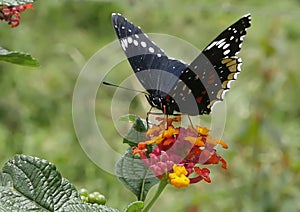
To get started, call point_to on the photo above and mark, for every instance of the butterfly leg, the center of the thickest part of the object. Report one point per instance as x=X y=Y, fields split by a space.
x=190 y=120
x=147 y=118
x=165 y=116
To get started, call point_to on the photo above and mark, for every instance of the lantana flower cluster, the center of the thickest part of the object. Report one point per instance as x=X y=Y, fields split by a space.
x=11 y=14
x=179 y=154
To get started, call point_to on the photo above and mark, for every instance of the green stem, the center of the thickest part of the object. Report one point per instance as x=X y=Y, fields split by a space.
x=163 y=183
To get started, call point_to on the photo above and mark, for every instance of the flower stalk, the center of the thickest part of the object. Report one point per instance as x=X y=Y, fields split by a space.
x=163 y=183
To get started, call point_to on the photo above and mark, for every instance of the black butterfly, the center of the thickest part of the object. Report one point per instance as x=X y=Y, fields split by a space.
x=175 y=86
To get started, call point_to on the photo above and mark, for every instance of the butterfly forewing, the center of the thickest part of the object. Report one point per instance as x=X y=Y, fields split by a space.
x=132 y=39
x=156 y=72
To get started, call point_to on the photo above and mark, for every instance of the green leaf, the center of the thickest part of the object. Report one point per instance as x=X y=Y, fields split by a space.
x=129 y=117
x=15 y=2
x=31 y=184
x=135 y=175
x=136 y=206
x=75 y=206
x=19 y=58
x=137 y=133
x=141 y=127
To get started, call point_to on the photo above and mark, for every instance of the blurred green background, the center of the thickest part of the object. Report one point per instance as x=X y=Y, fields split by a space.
x=263 y=110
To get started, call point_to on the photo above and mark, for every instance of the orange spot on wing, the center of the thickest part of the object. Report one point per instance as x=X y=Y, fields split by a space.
x=199 y=99
x=211 y=78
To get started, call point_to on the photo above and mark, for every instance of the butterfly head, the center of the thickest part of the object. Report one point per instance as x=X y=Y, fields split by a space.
x=165 y=103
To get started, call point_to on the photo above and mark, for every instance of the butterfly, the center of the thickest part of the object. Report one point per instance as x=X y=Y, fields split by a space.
x=173 y=85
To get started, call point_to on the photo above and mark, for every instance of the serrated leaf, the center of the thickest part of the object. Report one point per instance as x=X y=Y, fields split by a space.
x=19 y=58
x=74 y=206
x=11 y=200
x=136 y=206
x=39 y=181
x=137 y=132
x=15 y=2
x=135 y=175
x=32 y=184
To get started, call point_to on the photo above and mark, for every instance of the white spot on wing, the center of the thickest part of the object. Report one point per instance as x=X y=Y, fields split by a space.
x=220 y=41
x=221 y=44
x=226 y=52
x=223 y=94
x=135 y=43
x=129 y=39
x=240 y=46
x=236 y=75
x=143 y=44
x=226 y=46
x=125 y=43
x=151 y=50
x=211 y=45
x=239 y=66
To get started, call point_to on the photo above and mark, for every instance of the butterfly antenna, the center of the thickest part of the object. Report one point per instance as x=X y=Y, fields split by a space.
x=118 y=86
